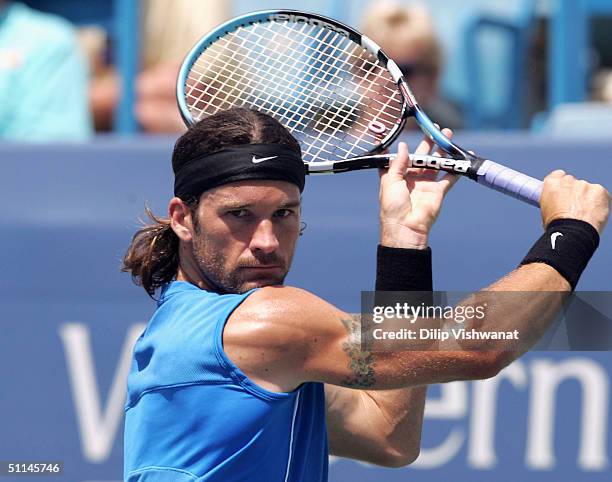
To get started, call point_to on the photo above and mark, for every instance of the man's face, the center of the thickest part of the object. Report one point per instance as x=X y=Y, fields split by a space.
x=245 y=234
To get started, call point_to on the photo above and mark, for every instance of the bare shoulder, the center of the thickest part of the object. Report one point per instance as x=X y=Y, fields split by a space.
x=290 y=296
x=273 y=333
x=291 y=313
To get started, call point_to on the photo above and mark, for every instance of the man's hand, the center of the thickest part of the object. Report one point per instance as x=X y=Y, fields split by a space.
x=564 y=196
x=410 y=199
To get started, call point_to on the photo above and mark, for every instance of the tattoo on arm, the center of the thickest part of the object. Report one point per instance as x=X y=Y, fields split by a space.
x=361 y=362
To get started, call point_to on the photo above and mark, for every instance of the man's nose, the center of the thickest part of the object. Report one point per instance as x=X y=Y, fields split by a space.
x=264 y=239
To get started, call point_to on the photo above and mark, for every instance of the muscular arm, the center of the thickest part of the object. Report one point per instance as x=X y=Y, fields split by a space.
x=377 y=426
x=384 y=426
x=283 y=336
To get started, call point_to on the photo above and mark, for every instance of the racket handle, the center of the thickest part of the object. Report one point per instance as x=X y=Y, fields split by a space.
x=510 y=182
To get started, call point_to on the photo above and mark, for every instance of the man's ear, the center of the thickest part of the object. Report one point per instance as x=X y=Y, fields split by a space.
x=180 y=219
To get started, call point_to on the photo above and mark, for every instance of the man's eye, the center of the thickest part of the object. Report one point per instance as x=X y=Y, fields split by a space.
x=238 y=213
x=283 y=213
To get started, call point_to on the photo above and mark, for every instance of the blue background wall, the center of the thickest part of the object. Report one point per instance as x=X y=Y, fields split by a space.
x=68 y=316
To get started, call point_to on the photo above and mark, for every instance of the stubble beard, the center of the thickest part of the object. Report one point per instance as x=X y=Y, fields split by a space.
x=211 y=265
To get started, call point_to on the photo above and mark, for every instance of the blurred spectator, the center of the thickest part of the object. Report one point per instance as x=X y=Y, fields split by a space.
x=43 y=77
x=602 y=86
x=406 y=33
x=601 y=54
x=601 y=58
x=169 y=30
x=104 y=88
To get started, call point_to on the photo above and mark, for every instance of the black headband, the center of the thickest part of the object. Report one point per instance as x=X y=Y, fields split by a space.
x=244 y=162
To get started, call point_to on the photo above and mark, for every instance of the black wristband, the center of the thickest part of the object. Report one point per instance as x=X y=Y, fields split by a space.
x=567 y=245
x=399 y=269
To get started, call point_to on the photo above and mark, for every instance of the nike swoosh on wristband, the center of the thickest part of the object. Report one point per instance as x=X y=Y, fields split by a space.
x=262 y=159
x=553 y=238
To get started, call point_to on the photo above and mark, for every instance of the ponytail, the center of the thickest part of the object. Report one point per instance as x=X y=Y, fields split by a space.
x=152 y=258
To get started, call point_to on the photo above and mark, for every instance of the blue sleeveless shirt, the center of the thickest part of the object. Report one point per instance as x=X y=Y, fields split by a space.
x=192 y=415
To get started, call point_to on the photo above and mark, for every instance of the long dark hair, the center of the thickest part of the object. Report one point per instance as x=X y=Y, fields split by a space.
x=153 y=255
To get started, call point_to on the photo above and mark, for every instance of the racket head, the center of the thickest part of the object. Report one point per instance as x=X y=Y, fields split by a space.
x=333 y=88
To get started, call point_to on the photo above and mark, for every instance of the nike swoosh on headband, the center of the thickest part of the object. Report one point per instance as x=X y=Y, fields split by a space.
x=262 y=159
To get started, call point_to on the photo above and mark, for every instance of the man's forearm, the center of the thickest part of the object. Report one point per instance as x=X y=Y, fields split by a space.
x=401 y=412
x=402 y=409
x=528 y=300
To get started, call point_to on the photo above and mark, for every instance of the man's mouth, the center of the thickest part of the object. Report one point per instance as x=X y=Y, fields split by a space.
x=263 y=268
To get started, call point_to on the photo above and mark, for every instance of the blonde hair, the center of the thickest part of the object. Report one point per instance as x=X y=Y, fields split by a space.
x=172 y=27
x=404 y=30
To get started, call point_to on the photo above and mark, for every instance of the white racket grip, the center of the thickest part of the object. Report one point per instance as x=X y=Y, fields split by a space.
x=511 y=182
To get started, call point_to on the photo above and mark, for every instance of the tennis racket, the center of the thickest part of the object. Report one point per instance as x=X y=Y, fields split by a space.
x=335 y=90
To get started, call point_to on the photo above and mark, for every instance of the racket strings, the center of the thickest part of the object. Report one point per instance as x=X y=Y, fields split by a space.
x=290 y=114
x=348 y=103
x=316 y=85
x=304 y=65
x=235 y=95
x=301 y=91
x=329 y=40
x=262 y=66
x=352 y=110
x=291 y=110
x=321 y=140
x=198 y=105
x=315 y=94
x=321 y=86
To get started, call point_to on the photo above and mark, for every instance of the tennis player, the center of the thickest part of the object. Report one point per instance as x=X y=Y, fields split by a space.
x=238 y=377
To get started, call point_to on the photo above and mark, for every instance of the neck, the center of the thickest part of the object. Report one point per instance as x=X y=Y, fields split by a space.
x=190 y=272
